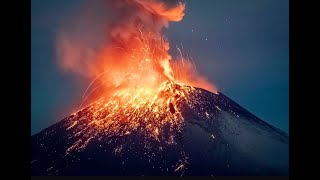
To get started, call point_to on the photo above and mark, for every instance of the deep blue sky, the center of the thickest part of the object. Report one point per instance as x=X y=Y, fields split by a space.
x=242 y=46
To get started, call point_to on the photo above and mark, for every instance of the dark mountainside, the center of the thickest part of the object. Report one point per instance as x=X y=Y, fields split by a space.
x=219 y=137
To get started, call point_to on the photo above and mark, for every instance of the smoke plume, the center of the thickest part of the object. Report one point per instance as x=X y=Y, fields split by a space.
x=120 y=43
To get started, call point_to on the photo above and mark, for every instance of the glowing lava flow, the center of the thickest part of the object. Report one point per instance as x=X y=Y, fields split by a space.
x=140 y=109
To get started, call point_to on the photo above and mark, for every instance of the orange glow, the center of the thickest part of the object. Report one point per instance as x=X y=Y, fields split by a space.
x=134 y=54
x=129 y=110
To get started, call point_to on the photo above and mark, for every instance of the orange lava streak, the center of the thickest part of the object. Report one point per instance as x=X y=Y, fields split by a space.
x=142 y=110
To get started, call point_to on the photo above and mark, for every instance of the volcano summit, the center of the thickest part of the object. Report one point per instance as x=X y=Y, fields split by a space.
x=180 y=131
x=154 y=116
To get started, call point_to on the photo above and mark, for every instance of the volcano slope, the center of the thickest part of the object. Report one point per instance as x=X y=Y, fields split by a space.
x=196 y=132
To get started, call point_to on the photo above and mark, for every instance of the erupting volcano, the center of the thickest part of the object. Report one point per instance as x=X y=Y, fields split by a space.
x=152 y=114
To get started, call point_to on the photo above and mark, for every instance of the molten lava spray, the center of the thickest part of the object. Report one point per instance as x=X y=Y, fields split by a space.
x=121 y=45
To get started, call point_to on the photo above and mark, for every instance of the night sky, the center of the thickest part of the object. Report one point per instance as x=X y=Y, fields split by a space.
x=240 y=46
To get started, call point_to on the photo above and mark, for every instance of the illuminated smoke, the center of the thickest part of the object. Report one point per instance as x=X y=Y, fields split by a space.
x=121 y=44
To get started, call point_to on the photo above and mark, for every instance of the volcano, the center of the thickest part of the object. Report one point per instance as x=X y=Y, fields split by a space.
x=208 y=134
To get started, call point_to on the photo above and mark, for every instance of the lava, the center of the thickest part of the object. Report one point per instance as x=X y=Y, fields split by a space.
x=144 y=110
